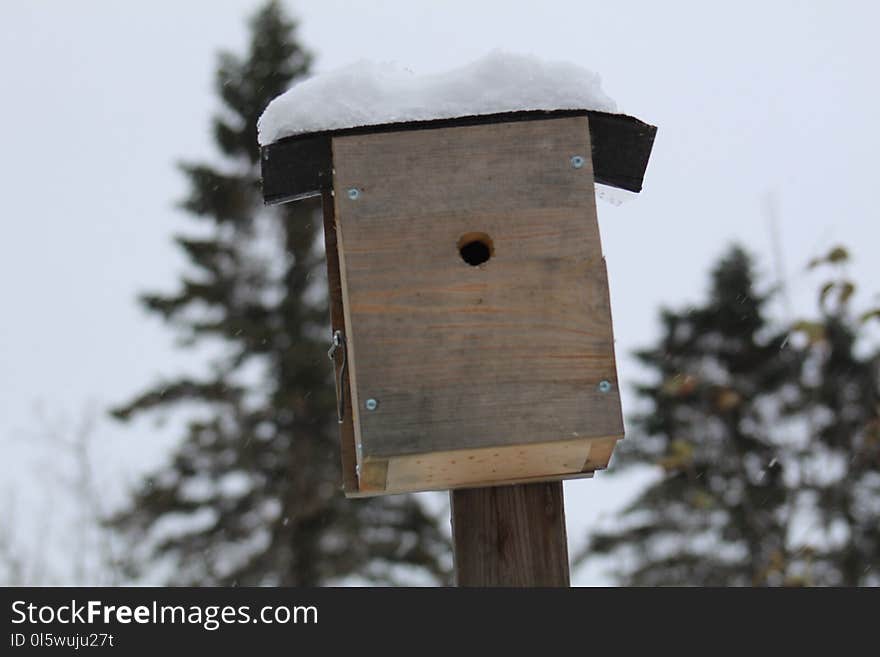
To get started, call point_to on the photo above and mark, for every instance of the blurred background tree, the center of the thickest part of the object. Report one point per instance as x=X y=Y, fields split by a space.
x=767 y=441
x=251 y=495
x=57 y=538
x=838 y=476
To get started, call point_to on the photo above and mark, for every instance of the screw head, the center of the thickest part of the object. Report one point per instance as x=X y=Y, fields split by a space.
x=353 y=193
x=604 y=386
x=371 y=404
x=577 y=161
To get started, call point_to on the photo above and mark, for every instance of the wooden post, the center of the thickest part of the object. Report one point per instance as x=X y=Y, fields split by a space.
x=510 y=535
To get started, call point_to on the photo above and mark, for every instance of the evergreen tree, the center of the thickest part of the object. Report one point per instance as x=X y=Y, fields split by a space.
x=713 y=518
x=251 y=495
x=838 y=475
x=768 y=443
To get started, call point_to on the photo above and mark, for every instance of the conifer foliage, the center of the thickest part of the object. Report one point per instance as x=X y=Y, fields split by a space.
x=251 y=495
x=767 y=443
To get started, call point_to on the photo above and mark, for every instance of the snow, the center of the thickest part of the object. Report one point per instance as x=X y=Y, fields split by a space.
x=369 y=93
x=614 y=195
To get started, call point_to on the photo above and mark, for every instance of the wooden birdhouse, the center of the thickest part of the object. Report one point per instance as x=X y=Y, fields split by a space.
x=470 y=309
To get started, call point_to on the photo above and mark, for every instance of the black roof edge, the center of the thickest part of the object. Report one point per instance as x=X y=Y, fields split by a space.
x=301 y=166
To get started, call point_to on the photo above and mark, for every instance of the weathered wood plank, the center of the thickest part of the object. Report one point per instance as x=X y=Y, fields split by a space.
x=600 y=453
x=301 y=166
x=490 y=467
x=510 y=536
x=510 y=352
x=447 y=470
x=337 y=322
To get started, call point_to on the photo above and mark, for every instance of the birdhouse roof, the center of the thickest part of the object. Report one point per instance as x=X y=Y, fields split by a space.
x=296 y=130
x=370 y=94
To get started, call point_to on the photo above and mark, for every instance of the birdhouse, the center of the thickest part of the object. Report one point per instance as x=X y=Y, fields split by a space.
x=472 y=334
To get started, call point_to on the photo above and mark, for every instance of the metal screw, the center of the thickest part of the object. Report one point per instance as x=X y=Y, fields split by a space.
x=353 y=193
x=577 y=161
x=604 y=386
x=371 y=404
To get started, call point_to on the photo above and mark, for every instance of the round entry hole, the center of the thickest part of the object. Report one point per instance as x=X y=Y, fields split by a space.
x=475 y=248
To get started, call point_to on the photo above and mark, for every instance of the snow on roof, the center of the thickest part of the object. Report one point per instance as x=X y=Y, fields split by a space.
x=367 y=93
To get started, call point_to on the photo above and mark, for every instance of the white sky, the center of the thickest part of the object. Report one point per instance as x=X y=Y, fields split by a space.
x=101 y=98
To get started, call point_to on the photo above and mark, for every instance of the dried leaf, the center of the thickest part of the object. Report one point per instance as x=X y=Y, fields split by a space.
x=823 y=293
x=727 y=399
x=871 y=314
x=846 y=291
x=702 y=500
x=837 y=254
x=680 y=385
x=814 y=331
x=679 y=456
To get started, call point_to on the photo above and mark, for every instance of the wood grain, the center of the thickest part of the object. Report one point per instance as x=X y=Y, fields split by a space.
x=495 y=466
x=445 y=470
x=459 y=357
x=510 y=536
x=600 y=453
x=337 y=323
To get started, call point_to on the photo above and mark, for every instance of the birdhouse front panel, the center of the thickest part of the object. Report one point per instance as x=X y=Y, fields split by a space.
x=478 y=324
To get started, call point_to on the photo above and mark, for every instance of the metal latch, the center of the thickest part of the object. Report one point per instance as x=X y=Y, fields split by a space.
x=338 y=344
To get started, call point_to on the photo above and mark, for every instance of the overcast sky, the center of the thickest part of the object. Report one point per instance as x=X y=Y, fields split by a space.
x=753 y=100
